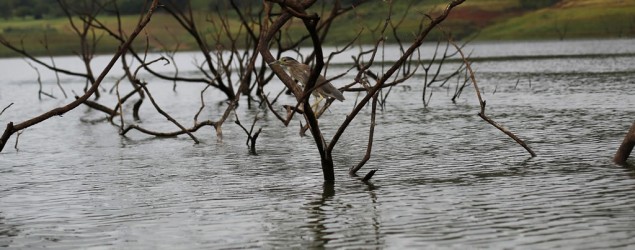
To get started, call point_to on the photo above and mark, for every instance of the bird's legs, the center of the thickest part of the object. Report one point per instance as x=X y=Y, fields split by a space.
x=316 y=104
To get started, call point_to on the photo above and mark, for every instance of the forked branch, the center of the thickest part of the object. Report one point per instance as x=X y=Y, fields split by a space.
x=482 y=104
x=11 y=128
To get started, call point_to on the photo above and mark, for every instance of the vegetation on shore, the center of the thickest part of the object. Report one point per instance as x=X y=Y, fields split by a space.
x=568 y=19
x=477 y=19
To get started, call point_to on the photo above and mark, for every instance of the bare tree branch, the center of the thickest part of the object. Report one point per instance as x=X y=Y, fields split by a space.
x=624 y=151
x=5 y=108
x=482 y=104
x=11 y=128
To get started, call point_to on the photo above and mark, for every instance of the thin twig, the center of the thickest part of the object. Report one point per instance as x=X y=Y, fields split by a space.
x=369 y=147
x=482 y=104
x=5 y=108
x=11 y=128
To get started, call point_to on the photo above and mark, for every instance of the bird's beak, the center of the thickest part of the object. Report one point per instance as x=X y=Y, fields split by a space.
x=276 y=62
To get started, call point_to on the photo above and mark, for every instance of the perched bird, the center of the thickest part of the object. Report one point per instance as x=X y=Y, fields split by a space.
x=302 y=72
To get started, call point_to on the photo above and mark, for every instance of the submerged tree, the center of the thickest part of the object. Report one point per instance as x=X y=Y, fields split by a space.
x=238 y=43
x=625 y=149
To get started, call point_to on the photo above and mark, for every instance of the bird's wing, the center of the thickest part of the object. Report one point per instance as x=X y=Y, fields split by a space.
x=329 y=90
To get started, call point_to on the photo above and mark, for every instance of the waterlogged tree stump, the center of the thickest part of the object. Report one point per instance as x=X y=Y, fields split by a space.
x=627 y=146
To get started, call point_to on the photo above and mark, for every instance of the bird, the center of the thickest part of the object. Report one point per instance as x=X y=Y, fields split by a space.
x=301 y=72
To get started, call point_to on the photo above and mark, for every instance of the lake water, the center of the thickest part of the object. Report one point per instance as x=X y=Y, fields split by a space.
x=446 y=178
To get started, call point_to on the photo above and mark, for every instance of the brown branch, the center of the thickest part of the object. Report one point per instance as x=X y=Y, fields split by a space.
x=57 y=76
x=186 y=20
x=244 y=21
x=369 y=175
x=97 y=106
x=26 y=54
x=87 y=48
x=626 y=147
x=39 y=81
x=119 y=104
x=168 y=134
x=165 y=114
x=11 y=128
x=416 y=43
x=120 y=101
x=251 y=136
x=288 y=108
x=244 y=85
x=369 y=147
x=310 y=24
x=370 y=92
x=310 y=117
x=482 y=104
x=202 y=104
x=5 y=108
x=323 y=27
x=17 y=139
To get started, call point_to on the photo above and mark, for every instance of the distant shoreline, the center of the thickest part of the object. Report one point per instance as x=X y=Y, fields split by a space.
x=504 y=21
x=430 y=44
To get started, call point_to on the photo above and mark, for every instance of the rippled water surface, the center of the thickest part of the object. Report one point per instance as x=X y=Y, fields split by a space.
x=446 y=179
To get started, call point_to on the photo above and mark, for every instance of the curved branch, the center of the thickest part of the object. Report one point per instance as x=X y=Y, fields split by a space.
x=26 y=54
x=11 y=128
x=418 y=41
x=624 y=151
x=168 y=134
x=482 y=104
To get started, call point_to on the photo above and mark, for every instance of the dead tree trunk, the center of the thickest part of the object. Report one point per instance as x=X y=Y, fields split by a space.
x=627 y=146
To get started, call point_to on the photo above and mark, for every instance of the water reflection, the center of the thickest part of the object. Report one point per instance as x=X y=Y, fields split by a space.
x=317 y=218
x=629 y=168
x=7 y=232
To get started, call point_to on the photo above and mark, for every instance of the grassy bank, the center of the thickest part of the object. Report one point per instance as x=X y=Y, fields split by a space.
x=482 y=19
x=571 y=19
x=61 y=38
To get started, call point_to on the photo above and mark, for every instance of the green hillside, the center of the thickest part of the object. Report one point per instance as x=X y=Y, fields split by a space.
x=480 y=19
x=569 y=19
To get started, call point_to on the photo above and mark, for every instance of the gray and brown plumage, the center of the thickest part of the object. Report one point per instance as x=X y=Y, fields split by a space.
x=302 y=72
